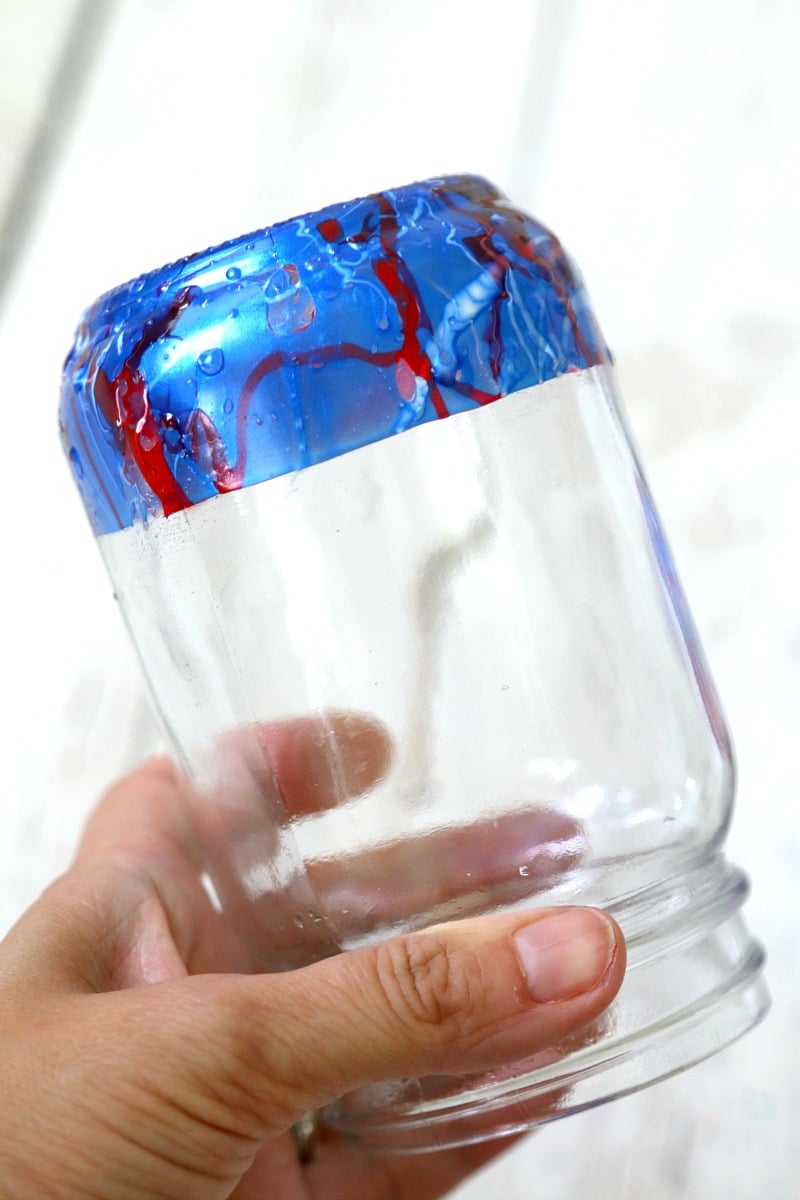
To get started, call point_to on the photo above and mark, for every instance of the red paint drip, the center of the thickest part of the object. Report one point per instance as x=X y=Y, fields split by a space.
x=331 y=230
x=410 y=360
x=134 y=416
x=473 y=393
x=395 y=276
x=143 y=441
x=365 y=232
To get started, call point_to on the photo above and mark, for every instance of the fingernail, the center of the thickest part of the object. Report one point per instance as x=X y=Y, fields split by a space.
x=565 y=954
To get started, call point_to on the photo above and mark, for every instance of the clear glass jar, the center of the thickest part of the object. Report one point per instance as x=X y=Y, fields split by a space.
x=417 y=668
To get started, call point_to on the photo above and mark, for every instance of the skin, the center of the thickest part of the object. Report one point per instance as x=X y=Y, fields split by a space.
x=138 y=1059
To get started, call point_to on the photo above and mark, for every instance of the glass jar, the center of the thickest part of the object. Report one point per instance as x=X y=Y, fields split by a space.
x=364 y=488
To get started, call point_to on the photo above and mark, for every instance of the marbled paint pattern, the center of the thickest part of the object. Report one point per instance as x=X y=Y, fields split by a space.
x=312 y=338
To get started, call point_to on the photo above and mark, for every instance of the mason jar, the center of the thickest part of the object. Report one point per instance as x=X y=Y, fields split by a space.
x=365 y=491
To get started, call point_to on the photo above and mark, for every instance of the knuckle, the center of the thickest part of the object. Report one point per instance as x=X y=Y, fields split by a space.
x=247 y=1044
x=241 y=1076
x=428 y=984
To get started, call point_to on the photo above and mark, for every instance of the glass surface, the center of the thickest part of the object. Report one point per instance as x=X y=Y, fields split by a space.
x=441 y=673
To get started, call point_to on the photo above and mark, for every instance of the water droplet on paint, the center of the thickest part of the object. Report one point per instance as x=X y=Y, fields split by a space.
x=290 y=307
x=523 y=871
x=228 y=406
x=211 y=362
x=383 y=322
x=281 y=280
x=233 y=273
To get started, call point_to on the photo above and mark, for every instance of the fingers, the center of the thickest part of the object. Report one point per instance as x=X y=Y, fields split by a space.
x=317 y=761
x=324 y=760
x=152 y=824
x=454 y=999
x=146 y=845
x=338 y=1169
x=272 y=774
x=418 y=1176
x=303 y=764
x=148 y=814
x=413 y=882
x=510 y=856
x=268 y=776
x=132 y=909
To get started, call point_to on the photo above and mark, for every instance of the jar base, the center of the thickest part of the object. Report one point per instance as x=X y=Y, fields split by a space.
x=694 y=984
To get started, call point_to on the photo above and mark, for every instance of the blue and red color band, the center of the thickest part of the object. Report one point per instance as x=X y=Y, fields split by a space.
x=312 y=338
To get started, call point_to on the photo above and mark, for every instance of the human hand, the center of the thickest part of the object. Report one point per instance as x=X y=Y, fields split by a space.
x=268 y=776
x=135 y=1065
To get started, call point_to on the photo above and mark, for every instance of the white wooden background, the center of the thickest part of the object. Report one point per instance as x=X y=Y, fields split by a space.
x=660 y=139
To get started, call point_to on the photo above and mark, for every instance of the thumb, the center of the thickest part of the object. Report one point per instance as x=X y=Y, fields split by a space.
x=456 y=998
